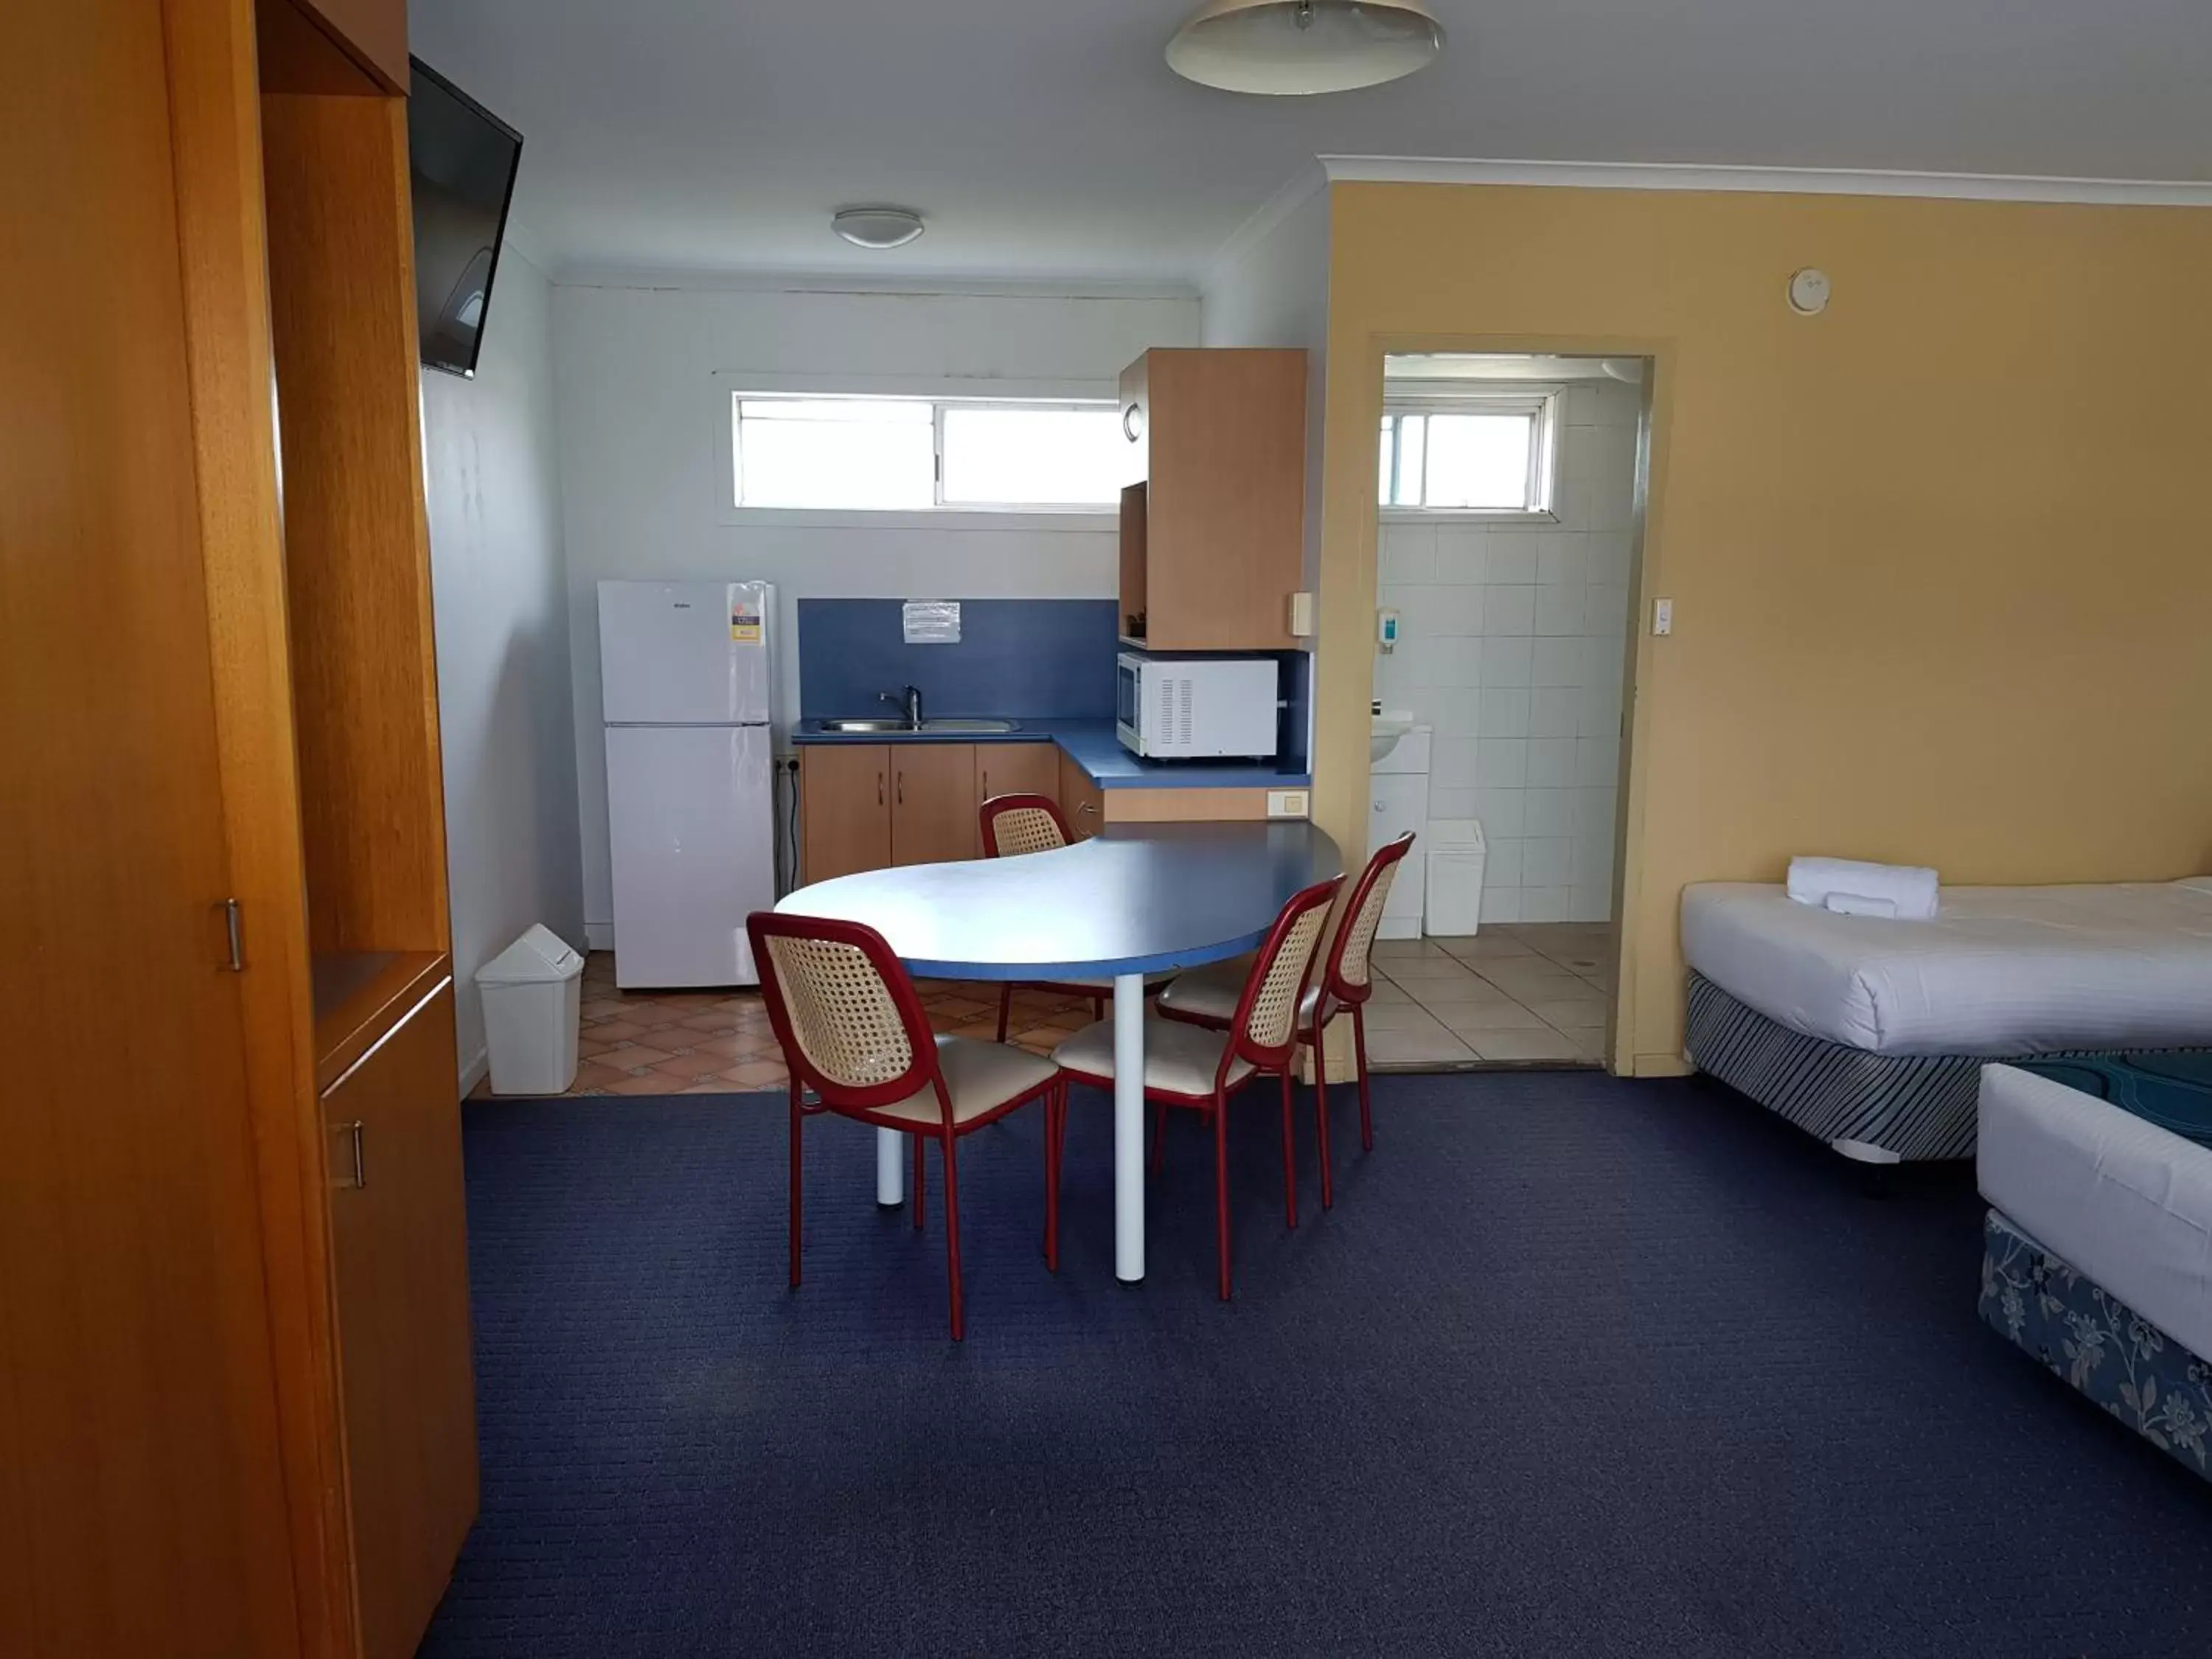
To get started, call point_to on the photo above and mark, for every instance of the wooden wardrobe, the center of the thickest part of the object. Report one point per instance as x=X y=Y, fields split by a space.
x=236 y=1407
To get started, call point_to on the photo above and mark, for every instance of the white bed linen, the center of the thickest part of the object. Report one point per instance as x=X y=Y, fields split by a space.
x=2002 y=971
x=2127 y=1203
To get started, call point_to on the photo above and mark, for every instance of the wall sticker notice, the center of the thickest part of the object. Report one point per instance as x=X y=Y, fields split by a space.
x=932 y=622
x=745 y=620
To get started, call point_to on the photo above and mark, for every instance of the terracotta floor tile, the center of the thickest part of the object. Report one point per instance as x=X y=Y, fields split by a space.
x=651 y=1014
x=728 y=1045
x=712 y=1086
x=632 y=1056
x=1487 y=947
x=649 y=1083
x=1406 y=969
x=1416 y=1048
x=759 y=1074
x=1476 y=1023
x=712 y=1021
x=598 y=1008
x=591 y=1074
x=961 y=1007
x=694 y=1064
x=617 y=1031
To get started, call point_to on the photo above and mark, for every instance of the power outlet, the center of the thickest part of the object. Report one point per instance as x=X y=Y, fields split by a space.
x=1288 y=803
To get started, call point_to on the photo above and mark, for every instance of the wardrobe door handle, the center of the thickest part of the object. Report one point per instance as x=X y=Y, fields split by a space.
x=879 y=789
x=987 y=785
x=902 y=786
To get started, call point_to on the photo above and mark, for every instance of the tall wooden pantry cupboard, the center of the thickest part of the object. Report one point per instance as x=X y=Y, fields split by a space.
x=236 y=1412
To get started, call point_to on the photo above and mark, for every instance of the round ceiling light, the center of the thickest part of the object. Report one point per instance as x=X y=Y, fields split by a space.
x=877 y=227
x=1294 y=47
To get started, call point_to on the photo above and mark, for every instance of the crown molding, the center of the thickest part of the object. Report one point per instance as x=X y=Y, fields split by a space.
x=797 y=281
x=1294 y=193
x=1787 y=181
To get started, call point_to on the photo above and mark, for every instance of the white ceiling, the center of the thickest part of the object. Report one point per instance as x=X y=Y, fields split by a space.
x=1046 y=139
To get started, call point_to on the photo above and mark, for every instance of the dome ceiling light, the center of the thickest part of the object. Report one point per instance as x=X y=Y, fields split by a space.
x=877 y=227
x=1290 y=48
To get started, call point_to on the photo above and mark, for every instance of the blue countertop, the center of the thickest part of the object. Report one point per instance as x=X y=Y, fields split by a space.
x=1133 y=899
x=1092 y=745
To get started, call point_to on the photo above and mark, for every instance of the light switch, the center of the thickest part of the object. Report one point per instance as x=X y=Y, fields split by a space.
x=1662 y=615
x=1287 y=803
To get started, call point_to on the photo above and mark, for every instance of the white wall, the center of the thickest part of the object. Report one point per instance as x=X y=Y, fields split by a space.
x=643 y=377
x=1512 y=646
x=503 y=677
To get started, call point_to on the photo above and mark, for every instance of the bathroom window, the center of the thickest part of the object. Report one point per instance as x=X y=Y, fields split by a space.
x=919 y=454
x=1468 y=453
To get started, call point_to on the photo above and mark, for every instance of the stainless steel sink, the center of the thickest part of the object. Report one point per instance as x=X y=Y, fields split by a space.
x=879 y=727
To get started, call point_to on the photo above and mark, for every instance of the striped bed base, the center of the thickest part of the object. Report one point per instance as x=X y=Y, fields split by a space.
x=1880 y=1106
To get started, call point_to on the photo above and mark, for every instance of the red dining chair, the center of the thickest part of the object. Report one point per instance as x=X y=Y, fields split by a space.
x=855 y=1035
x=1012 y=825
x=1196 y=1068
x=1208 y=996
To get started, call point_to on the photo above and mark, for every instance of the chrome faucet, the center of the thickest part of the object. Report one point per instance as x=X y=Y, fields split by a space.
x=910 y=703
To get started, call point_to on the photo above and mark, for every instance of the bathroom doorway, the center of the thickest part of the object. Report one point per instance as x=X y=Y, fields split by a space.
x=1509 y=497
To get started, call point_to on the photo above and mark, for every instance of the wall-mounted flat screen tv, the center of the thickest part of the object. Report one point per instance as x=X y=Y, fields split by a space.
x=464 y=159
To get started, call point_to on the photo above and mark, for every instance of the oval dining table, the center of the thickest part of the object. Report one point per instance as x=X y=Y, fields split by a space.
x=1135 y=899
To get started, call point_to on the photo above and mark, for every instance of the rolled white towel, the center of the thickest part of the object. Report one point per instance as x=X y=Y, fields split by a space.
x=1902 y=891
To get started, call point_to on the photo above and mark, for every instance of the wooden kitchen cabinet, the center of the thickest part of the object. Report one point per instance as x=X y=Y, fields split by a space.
x=934 y=803
x=1082 y=803
x=1017 y=768
x=1213 y=514
x=845 y=809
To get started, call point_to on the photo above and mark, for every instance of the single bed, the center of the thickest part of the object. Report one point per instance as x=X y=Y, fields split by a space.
x=1871 y=1033
x=2098 y=1246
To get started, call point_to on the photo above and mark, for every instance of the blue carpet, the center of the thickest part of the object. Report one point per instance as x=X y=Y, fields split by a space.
x=1576 y=1366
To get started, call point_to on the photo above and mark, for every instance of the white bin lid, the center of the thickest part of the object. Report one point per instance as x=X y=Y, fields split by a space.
x=540 y=956
x=1454 y=835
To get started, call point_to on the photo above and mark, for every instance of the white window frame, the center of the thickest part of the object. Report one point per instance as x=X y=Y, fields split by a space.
x=732 y=387
x=1543 y=403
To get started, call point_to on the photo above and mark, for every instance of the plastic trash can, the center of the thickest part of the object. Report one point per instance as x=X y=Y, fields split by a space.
x=1454 y=904
x=532 y=991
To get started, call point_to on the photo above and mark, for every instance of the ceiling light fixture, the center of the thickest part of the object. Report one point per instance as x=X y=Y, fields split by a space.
x=1297 y=47
x=877 y=227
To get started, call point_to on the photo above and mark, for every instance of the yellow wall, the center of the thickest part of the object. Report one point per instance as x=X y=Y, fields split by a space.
x=1940 y=557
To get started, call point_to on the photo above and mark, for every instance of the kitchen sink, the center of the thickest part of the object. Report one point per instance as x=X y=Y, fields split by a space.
x=884 y=728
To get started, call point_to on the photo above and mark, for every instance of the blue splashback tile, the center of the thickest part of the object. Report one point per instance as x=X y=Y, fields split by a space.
x=1018 y=659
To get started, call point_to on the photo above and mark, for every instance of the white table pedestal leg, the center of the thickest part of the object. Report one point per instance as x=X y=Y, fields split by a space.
x=891 y=1168
x=1129 y=1128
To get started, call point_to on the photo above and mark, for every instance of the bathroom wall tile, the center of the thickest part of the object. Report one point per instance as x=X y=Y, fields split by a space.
x=1560 y=611
x=1506 y=661
x=1512 y=558
x=1503 y=810
x=1548 y=812
x=1551 y=762
x=1558 y=662
x=1501 y=760
x=1509 y=610
x=1555 y=711
x=1504 y=713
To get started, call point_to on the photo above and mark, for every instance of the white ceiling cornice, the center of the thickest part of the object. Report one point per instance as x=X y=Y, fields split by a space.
x=781 y=281
x=1786 y=181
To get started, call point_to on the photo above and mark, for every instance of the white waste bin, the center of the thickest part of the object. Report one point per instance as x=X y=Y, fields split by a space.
x=1453 y=907
x=532 y=991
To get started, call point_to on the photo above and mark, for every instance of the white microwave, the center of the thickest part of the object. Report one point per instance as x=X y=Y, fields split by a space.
x=1182 y=707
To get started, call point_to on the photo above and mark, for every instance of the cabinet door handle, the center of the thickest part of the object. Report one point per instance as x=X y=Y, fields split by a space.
x=352 y=1132
x=879 y=789
x=987 y=785
x=902 y=786
x=1087 y=806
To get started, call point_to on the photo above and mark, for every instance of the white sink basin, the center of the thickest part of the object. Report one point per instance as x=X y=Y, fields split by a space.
x=1383 y=737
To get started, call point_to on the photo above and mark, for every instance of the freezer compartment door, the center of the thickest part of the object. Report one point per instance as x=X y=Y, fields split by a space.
x=678 y=653
x=690 y=813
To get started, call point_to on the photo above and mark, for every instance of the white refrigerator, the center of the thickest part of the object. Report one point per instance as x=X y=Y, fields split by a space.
x=687 y=675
